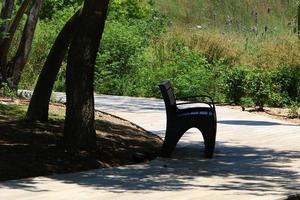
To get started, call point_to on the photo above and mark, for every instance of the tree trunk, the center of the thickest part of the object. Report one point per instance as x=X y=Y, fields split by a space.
x=7 y=40
x=19 y=61
x=6 y=13
x=79 y=130
x=39 y=104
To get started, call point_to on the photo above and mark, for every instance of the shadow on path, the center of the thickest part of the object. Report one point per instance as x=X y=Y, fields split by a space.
x=253 y=123
x=253 y=170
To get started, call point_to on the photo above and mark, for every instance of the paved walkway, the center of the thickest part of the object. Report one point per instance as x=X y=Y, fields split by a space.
x=256 y=157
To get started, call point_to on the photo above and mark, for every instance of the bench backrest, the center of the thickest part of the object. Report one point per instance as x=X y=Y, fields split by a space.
x=168 y=95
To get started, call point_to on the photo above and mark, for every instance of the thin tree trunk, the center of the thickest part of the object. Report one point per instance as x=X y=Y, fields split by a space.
x=6 y=14
x=79 y=130
x=4 y=48
x=20 y=59
x=39 y=103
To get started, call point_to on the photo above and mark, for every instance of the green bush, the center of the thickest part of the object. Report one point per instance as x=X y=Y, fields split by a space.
x=246 y=102
x=119 y=43
x=235 y=82
x=126 y=35
x=277 y=99
x=259 y=87
x=45 y=34
x=6 y=91
x=59 y=85
x=287 y=83
x=254 y=86
x=51 y=7
x=128 y=9
x=189 y=72
x=294 y=110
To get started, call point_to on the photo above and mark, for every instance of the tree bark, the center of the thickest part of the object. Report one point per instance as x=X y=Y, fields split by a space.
x=79 y=130
x=39 y=103
x=4 y=48
x=6 y=14
x=19 y=61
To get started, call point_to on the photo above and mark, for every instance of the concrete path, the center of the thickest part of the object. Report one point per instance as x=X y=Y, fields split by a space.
x=256 y=157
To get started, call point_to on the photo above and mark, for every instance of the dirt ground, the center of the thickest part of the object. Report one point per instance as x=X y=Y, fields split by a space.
x=29 y=149
x=276 y=113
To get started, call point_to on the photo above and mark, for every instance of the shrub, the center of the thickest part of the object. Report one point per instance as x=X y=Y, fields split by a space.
x=259 y=87
x=278 y=87
x=59 y=85
x=129 y=9
x=123 y=40
x=119 y=43
x=277 y=99
x=287 y=83
x=45 y=34
x=236 y=83
x=294 y=110
x=6 y=91
x=51 y=7
x=189 y=71
x=246 y=102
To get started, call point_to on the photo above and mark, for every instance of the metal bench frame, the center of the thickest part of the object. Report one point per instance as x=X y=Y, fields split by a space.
x=181 y=120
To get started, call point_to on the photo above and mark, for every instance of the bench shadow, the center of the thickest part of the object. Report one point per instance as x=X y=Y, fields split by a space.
x=254 y=170
x=253 y=123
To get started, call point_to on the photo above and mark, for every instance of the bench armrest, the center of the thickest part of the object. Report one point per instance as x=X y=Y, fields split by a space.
x=211 y=103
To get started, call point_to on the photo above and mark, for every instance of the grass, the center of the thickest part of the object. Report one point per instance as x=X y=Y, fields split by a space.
x=29 y=149
x=13 y=110
x=226 y=30
x=231 y=15
x=239 y=49
x=56 y=111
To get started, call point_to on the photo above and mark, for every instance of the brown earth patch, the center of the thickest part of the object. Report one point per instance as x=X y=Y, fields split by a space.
x=29 y=149
x=276 y=113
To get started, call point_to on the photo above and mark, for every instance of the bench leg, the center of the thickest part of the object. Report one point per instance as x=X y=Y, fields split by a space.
x=209 y=135
x=173 y=135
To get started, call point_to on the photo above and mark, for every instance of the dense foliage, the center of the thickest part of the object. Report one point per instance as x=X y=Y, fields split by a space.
x=147 y=41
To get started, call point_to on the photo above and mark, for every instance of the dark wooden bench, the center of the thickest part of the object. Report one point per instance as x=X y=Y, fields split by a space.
x=180 y=120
